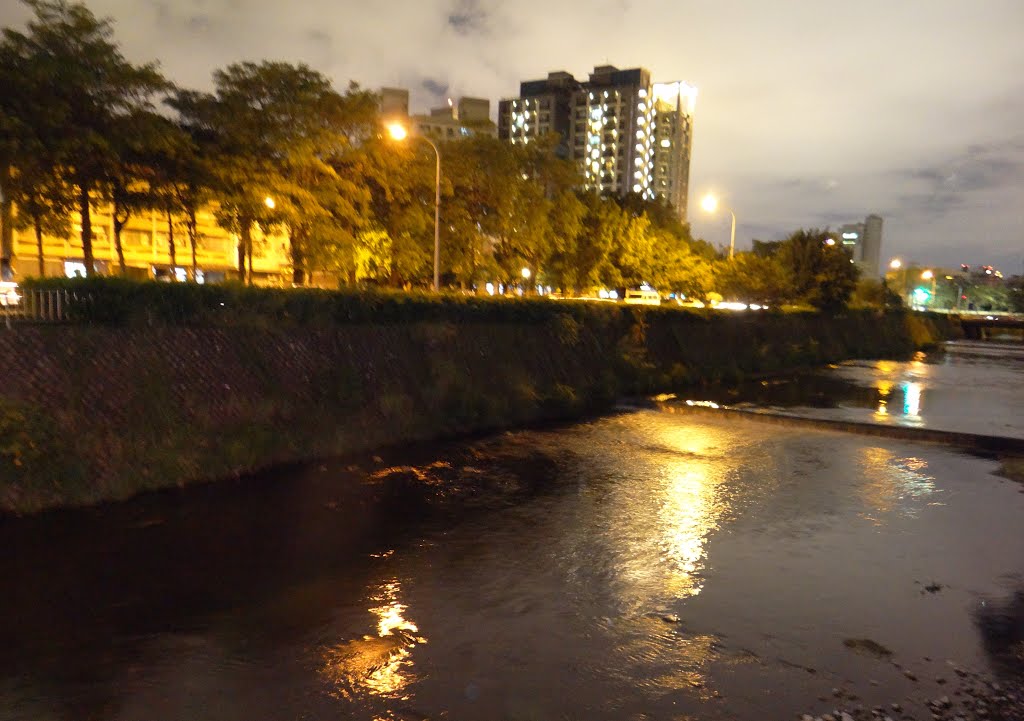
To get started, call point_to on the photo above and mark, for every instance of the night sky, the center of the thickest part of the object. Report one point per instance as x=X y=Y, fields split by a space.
x=810 y=113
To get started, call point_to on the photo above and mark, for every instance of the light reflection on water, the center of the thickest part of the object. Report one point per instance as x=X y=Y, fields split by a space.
x=691 y=506
x=967 y=387
x=890 y=481
x=657 y=538
x=376 y=666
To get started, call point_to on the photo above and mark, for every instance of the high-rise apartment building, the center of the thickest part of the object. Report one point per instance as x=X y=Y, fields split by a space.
x=864 y=241
x=628 y=134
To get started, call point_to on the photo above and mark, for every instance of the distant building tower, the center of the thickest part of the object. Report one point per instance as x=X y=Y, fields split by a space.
x=394 y=104
x=864 y=241
x=627 y=134
x=871 y=252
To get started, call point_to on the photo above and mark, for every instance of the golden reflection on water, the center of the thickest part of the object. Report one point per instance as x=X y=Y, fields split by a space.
x=381 y=665
x=676 y=502
x=690 y=505
x=894 y=483
x=885 y=366
x=884 y=388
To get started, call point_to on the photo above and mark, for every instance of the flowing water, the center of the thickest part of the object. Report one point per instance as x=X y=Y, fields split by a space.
x=645 y=565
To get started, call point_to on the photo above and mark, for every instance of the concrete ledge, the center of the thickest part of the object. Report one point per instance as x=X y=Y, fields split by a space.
x=968 y=441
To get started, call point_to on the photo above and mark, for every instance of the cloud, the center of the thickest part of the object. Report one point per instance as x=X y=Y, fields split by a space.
x=468 y=18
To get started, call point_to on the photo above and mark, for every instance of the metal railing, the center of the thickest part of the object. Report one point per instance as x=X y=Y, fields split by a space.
x=35 y=306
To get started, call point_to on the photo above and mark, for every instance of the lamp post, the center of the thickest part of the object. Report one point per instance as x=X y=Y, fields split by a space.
x=710 y=205
x=399 y=133
x=930 y=275
x=900 y=280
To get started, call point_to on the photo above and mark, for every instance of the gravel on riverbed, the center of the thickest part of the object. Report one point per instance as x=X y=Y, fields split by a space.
x=966 y=696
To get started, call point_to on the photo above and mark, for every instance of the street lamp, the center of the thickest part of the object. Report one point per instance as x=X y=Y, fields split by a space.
x=710 y=205
x=930 y=275
x=269 y=202
x=399 y=132
x=895 y=263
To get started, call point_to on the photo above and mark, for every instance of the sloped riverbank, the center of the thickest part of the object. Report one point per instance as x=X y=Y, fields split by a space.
x=91 y=412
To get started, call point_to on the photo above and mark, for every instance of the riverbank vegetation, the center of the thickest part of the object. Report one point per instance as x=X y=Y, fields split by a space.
x=162 y=386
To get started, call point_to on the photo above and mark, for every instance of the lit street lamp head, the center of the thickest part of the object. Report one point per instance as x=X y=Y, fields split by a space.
x=895 y=263
x=927 y=275
x=269 y=202
x=526 y=273
x=397 y=131
x=709 y=203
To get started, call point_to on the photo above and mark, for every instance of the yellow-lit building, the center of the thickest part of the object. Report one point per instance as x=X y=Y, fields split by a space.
x=144 y=240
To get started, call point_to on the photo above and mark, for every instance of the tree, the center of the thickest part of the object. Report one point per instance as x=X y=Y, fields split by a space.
x=140 y=138
x=874 y=293
x=179 y=180
x=82 y=86
x=44 y=203
x=278 y=130
x=676 y=269
x=820 y=271
x=584 y=261
x=1015 y=289
x=751 y=278
x=399 y=180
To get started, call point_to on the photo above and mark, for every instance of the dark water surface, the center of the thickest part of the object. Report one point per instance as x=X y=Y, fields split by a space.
x=644 y=565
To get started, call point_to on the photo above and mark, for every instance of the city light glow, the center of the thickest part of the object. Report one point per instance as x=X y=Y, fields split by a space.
x=397 y=131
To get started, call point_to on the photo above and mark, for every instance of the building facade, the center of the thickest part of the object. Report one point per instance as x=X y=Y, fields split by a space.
x=627 y=133
x=146 y=244
x=468 y=117
x=864 y=241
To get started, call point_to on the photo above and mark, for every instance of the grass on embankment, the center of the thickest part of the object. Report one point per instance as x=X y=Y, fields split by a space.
x=161 y=385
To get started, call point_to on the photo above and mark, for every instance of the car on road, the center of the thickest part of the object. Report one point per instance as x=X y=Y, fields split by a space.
x=9 y=295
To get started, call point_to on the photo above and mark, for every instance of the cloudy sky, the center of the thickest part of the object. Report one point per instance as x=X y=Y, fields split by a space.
x=811 y=112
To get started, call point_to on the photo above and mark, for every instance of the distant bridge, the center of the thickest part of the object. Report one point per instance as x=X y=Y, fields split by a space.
x=979 y=326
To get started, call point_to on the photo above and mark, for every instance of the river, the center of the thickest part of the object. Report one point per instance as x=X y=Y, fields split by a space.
x=643 y=565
